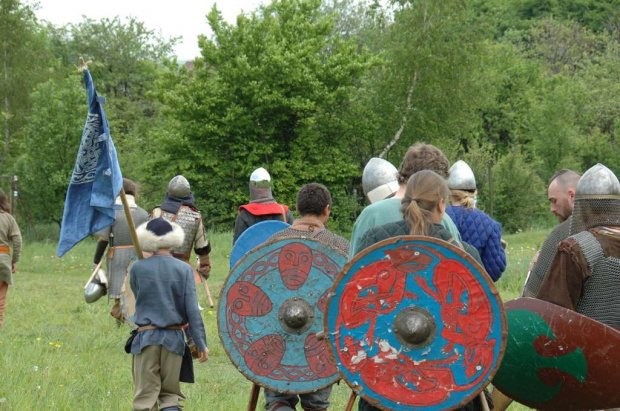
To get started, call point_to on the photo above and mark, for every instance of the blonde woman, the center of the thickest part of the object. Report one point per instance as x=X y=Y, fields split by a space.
x=9 y=236
x=423 y=208
x=475 y=226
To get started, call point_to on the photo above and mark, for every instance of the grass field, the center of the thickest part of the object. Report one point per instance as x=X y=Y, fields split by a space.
x=59 y=353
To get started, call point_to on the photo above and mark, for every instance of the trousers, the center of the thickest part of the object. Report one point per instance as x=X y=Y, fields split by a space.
x=156 y=379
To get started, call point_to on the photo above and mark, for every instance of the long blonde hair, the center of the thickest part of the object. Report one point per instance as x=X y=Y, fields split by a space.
x=463 y=198
x=425 y=189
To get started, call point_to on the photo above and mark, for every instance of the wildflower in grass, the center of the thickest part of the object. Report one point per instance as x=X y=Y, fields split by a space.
x=38 y=338
x=50 y=343
x=2 y=400
x=210 y=312
x=35 y=368
x=58 y=346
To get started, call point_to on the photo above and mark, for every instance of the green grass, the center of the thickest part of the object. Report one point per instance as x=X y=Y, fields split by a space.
x=59 y=353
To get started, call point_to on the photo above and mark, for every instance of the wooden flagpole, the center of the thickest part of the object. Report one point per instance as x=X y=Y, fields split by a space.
x=132 y=226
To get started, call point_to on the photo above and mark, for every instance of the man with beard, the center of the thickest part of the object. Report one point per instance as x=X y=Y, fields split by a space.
x=585 y=272
x=262 y=205
x=561 y=194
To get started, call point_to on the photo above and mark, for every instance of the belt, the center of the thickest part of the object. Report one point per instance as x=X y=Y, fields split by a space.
x=4 y=249
x=152 y=327
x=111 y=249
x=184 y=257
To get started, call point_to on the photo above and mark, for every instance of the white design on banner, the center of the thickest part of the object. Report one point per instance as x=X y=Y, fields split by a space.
x=88 y=154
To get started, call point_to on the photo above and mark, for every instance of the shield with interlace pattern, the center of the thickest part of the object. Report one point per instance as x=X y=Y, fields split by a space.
x=415 y=323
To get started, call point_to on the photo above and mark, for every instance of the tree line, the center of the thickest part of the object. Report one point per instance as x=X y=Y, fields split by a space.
x=311 y=90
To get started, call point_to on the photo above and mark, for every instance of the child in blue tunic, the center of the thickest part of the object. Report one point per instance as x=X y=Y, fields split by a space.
x=165 y=301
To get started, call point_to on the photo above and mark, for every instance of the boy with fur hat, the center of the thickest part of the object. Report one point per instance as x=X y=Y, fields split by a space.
x=165 y=301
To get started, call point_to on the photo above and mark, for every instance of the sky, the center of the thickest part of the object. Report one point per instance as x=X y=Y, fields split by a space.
x=186 y=18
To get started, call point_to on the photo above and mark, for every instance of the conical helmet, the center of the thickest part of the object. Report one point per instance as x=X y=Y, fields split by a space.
x=179 y=187
x=260 y=185
x=461 y=177
x=597 y=200
x=379 y=179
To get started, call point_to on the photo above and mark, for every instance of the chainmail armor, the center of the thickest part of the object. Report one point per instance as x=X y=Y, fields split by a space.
x=599 y=299
x=595 y=211
x=324 y=236
x=545 y=257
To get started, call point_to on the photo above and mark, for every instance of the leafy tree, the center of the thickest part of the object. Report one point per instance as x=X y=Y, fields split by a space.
x=270 y=92
x=22 y=52
x=48 y=151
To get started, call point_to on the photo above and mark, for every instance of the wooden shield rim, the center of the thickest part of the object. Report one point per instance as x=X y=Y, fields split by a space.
x=270 y=222
x=336 y=376
x=456 y=250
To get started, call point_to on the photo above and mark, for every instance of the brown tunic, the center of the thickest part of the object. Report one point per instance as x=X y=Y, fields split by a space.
x=9 y=236
x=563 y=284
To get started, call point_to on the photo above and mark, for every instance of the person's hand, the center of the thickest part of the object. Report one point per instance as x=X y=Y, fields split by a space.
x=95 y=266
x=83 y=65
x=13 y=268
x=203 y=355
x=204 y=270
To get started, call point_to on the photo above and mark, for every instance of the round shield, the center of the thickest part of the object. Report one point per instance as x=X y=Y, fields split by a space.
x=254 y=236
x=557 y=359
x=415 y=322
x=272 y=306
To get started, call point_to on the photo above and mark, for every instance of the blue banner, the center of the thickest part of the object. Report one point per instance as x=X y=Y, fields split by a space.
x=96 y=180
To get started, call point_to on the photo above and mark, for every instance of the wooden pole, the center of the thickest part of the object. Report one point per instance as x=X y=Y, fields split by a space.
x=206 y=286
x=254 y=397
x=483 y=400
x=94 y=273
x=351 y=401
x=132 y=227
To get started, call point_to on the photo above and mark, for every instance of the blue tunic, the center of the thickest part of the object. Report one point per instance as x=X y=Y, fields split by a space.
x=484 y=233
x=165 y=296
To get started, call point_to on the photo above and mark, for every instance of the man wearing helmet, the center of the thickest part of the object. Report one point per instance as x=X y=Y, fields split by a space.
x=585 y=272
x=178 y=206
x=262 y=205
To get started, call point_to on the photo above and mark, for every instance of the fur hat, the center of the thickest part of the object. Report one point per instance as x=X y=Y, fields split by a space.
x=159 y=233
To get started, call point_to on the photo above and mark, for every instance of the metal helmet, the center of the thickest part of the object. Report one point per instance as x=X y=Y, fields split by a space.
x=461 y=177
x=179 y=187
x=597 y=200
x=379 y=179
x=260 y=185
x=95 y=289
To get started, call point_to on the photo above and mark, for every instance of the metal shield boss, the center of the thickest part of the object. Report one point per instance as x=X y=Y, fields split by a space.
x=271 y=308
x=557 y=359
x=415 y=323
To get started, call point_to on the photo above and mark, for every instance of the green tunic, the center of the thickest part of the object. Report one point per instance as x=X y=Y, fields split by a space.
x=9 y=236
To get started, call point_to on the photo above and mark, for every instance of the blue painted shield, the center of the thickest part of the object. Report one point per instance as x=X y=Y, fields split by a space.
x=415 y=323
x=254 y=236
x=271 y=308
